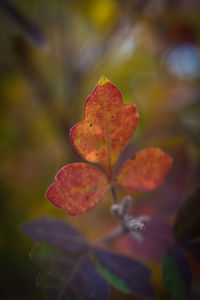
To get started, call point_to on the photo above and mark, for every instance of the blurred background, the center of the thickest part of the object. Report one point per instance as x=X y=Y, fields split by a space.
x=52 y=53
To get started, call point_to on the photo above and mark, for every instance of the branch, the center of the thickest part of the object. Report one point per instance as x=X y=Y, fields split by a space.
x=128 y=224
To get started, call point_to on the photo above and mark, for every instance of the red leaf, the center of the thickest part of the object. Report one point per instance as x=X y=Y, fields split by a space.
x=146 y=170
x=107 y=127
x=78 y=188
x=100 y=138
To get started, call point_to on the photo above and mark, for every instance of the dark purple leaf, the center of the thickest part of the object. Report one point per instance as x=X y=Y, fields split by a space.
x=167 y=199
x=177 y=274
x=55 y=232
x=193 y=248
x=87 y=283
x=154 y=239
x=135 y=275
x=187 y=222
x=66 y=275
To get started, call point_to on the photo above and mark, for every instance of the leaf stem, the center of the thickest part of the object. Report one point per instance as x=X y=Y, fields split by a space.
x=114 y=194
x=128 y=224
x=112 y=235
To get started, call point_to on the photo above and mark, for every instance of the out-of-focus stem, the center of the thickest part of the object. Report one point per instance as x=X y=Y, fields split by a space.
x=112 y=235
x=114 y=194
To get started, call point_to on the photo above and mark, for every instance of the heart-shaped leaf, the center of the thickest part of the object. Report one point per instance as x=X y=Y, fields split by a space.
x=78 y=188
x=146 y=170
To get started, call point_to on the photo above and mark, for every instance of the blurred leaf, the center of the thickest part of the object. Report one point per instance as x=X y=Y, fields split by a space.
x=176 y=274
x=169 y=197
x=115 y=281
x=146 y=170
x=107 y=127
x=187 y=222
x=193 y=248
x=153 y=242
x=68 y=276
x=56 y=232
x=64 y=258
x=130 y=274
x=78 y=187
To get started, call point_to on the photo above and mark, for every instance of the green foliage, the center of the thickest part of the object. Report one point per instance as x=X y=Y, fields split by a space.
x=176 y=274
x=115 y=281
x=172 y=279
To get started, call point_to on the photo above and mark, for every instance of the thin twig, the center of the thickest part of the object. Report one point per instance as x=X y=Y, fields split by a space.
x=114 y=194
x=112 y=235
x=128 y=224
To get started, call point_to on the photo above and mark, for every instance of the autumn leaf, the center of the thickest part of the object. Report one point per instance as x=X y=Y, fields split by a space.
x=78 y=188
x=107 y=127
x=145 y=171
x=100 y=138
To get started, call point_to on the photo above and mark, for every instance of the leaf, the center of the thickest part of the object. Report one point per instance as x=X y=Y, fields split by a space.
x=56 y=232
x=66 y=276
x=78 y=188
x=153 y=242
x=115 y=281
x=172 y=195
x=145 y=171
x=176 y=274
x=107 y=127
x=65 y=254
x=131 y=275
x=193 y=248
x=186 y=226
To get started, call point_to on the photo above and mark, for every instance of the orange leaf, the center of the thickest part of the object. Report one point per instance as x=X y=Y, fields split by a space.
x=146 y=170
x=78 y=188
x=107 y=127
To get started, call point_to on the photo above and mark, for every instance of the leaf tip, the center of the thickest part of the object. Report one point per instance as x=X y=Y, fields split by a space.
x=103 y=80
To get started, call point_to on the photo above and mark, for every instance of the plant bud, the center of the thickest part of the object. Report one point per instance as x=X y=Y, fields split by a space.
x=126 y=204
x=115 y=209
x=135 y=224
